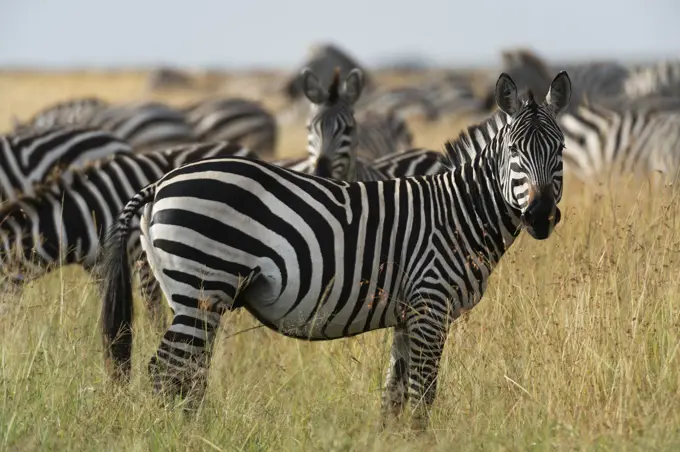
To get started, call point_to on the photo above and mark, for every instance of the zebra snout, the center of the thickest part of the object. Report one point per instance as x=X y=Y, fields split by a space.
x=542 y=214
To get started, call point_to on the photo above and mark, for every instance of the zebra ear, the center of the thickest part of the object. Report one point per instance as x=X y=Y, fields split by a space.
x=506 y=95
x=559 y=95
x=16 y=124
x=311 y=87
x=354 y=84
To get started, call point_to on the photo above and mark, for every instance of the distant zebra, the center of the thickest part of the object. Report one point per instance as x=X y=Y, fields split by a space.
x=237 y=120
x=337 y=145
x=66 y=113
x=62 y=222
x=591 y=81
x=661 y=79
x=31 y=157
x=323 y=60
x=145 y=125
x=318 y=259
x=602 y=141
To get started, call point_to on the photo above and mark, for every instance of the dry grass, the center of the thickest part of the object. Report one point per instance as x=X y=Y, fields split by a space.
x=574 y=346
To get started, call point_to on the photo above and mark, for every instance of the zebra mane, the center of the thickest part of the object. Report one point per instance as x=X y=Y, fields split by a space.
x=473 y=140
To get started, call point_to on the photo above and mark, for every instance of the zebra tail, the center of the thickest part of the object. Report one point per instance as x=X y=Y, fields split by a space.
x=116 y=288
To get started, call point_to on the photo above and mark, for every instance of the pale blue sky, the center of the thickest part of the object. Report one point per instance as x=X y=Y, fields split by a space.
x=237 y=33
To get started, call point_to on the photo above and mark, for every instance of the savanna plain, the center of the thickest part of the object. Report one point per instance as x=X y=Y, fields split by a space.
x=573 y=347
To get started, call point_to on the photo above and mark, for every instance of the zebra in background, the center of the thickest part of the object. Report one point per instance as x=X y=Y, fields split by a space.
x=336 y=145
x=70 y=112
x=660 y=79
x=233 y=119
x=33 y=156
x=593 y=81
x=63 y=221
x=604 y=140
x=145 y=125
x=318 y=259
x=323 y=60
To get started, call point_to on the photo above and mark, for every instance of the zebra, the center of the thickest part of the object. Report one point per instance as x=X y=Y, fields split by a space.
x=635 y=138
x=334 y=140
x=234 y=119
x=145 y=125
x=69 y=112
x=318 y=259
x=63 y=221
x=660 y=79
x=592 y=81
x=323 y=60
x=33 y=156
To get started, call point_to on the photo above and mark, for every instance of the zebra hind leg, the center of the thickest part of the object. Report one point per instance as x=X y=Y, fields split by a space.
x=181 y=363
x=395 y=392
x=151 y=292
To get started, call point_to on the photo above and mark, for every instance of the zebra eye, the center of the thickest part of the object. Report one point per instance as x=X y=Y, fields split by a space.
x=513 y=150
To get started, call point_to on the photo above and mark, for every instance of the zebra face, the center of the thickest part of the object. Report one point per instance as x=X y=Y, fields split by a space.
x=332 y=127
x=532 y=153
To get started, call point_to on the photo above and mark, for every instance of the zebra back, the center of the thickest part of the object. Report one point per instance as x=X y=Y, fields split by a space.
x=64 y=113
x=32 y=157
x=234 y=119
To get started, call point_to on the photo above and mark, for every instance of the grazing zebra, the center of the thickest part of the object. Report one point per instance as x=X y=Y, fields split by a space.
x=145 y=125
x=318 y=259
x=32 y=156
x=70 y=112
x=632 y=139
x=334 y=138
x=62 y=222
x=594 y=81
x=237 y=120
x=661 y=79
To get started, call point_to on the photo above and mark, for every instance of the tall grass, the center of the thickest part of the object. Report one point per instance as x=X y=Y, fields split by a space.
x=574 y=346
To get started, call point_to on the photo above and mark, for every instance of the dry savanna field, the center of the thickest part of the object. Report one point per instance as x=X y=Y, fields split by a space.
x=574 y=346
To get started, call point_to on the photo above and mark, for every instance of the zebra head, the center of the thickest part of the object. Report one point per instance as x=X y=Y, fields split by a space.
x=531 y=153
x=332 y=127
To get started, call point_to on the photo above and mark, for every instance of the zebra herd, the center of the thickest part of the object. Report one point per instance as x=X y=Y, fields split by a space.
x=364 y=232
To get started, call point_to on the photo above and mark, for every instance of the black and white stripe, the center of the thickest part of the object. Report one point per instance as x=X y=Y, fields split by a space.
x=236 y=120
x=318 y=259
x=62 y=222
x=31 y=157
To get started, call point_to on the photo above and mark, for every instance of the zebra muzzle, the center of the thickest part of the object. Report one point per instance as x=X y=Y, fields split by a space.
x=542 y=214
x=324 y=167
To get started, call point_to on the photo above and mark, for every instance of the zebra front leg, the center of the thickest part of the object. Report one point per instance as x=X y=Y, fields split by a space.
x=181 y=363
x=395 y=392
x=427 y=330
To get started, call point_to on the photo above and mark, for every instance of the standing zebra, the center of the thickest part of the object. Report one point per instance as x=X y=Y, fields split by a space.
x=335 y=139
x=31 y=157
x=237 y=120
x=62 y=222
x=318 y=259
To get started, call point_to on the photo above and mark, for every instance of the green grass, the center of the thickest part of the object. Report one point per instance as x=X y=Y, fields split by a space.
x=574 y=346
